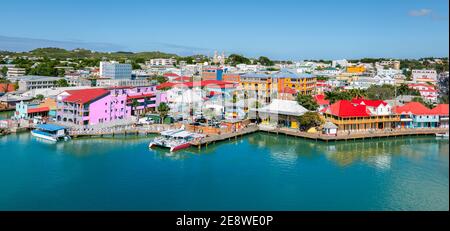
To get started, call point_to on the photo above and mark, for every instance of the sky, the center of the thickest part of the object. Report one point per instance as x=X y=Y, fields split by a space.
x=281 y=29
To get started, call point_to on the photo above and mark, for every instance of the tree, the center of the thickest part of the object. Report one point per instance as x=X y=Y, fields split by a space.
x=403 y=89
x=309 y=120
x=235 y=59
x=62 y=83
x=420 y=100
x=161 y=79
x=383 y=92
x=135 y=66
x=163 y=109
x=307 y=102
x=265 y=61
x=4 y=70
x=337 y=95
x=357 y=93
x=134 y=105
x=39 y=97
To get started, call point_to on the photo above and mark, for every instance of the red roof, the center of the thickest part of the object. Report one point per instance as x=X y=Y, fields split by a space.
x=368 y=102
x=415 y=108
x=213 y=93
x=165 y=85
x=288 y=90
x=440 y=109
x=344 y=108
x=320 y=99
x=183 y=78
x=414 y=85
x=8 y=88
x=85 y=95
x=38 y=109
x=170 y=75
x=140 y=96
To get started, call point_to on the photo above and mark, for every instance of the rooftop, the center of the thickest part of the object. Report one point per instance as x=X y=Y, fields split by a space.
x=50 y=127
x=85 y=95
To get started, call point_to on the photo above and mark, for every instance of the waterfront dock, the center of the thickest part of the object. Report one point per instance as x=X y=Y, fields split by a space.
x=120 y=131
x=356 y=135
x=360 y=135
x=226 y=136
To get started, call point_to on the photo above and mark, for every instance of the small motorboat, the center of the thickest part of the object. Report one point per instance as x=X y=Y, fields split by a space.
x=442 y=135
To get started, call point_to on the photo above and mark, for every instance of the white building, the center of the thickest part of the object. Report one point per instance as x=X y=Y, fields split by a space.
x=121 y=82
x=115 y=70
x=342 y=63
x=245 y=67
x=390 y=63
x=424 y=75
x=427 y=92
x=36 y=82
x=15 y=72
x=388 y=72
x=384 y=79
x=161 y=62
x=329 y=71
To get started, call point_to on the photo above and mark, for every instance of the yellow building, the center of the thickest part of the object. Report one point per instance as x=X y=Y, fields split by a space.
x=263 y=85
x=356 y=69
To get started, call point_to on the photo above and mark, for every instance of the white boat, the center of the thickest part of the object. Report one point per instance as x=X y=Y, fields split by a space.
x=174 y=139
x=50 y=132
x=443 y=135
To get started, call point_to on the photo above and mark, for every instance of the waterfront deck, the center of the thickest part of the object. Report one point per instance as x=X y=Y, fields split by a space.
x=122 y=130
x=226 y=136
x=356 y=135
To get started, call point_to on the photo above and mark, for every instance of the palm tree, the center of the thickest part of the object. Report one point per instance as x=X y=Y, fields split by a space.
x=331 y=96
x=134 y=105
x=163 y=110
x=357 y=93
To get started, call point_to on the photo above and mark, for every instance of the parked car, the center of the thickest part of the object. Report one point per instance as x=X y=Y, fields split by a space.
x=146 y=121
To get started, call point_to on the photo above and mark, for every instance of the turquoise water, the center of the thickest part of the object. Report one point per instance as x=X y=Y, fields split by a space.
x=257 y=172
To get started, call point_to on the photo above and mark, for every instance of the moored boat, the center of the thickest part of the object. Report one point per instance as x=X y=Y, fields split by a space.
x=443 y=135
x=50 y=132
x=174 y=139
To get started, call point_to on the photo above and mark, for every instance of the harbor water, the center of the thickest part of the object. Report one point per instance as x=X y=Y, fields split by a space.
x=256 y=172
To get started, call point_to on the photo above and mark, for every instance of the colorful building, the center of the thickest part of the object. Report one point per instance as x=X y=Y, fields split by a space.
x=356 y=69
x=29 y=110
x=103 y=105
x=220 y=74
x=361 y=114
x=442 y=111
x=427 y=91
x=416 y=115
x=265 y=86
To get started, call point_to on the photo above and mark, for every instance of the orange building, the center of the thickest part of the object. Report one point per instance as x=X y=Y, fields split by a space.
x=356 y=69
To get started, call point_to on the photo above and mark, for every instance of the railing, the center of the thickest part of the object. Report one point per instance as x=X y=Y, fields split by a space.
x=360 y=121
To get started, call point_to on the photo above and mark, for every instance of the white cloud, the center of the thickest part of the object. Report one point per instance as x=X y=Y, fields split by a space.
x=420 y=12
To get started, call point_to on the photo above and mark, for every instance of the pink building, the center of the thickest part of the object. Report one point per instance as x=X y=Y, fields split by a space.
x=102 y=105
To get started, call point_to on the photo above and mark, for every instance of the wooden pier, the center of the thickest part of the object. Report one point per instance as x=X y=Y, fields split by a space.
x=122 y=131
x=318 y=136
x=357 y=135
x=211 y=139
x=226 y=136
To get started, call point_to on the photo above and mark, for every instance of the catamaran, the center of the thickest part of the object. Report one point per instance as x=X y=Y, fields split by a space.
x=175 y=139
x=50 y=132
